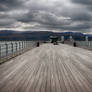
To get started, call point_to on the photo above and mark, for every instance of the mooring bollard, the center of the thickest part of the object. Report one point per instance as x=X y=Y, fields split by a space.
x=38 y=44
x=74 y=44
x=62 y=42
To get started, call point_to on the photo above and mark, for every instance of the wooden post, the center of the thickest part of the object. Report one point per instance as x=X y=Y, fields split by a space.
x=6 y=49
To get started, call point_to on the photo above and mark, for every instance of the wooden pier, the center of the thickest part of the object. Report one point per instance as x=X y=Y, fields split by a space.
x=48 y=68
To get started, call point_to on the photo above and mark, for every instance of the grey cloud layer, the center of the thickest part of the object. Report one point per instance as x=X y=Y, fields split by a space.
x=10 y=4
x=85 y=2
x=64 y=15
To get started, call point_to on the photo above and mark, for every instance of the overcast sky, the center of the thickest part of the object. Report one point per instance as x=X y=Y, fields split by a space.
x=52 y=15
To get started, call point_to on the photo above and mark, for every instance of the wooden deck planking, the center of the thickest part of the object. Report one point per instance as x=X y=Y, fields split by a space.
x=48 y=68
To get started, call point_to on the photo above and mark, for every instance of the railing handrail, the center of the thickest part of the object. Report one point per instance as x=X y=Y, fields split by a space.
x=14 y=48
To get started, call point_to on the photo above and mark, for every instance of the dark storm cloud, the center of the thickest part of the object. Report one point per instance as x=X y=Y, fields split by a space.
x=8 y=23
x=82 y=17
x=9 y=4
x=72 y=15
x=81 y=27
x=46 y=19
x=85 y=2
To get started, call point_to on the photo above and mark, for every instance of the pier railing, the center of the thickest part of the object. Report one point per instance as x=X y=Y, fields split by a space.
x=84 y=44
x=11 y=49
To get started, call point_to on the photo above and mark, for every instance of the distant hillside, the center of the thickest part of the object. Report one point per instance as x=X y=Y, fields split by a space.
x=38 y=35
x=26 y=35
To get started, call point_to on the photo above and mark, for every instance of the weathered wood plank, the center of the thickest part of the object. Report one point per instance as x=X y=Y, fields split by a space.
x=48 y=68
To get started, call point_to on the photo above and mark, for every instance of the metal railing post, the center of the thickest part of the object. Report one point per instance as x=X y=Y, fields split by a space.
x=91 y=44
x=0 y=51
x=16 y=46
x=19 y=45
x=12 y=47
x=6 y=49
x=26 y=44
x=22 y=44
